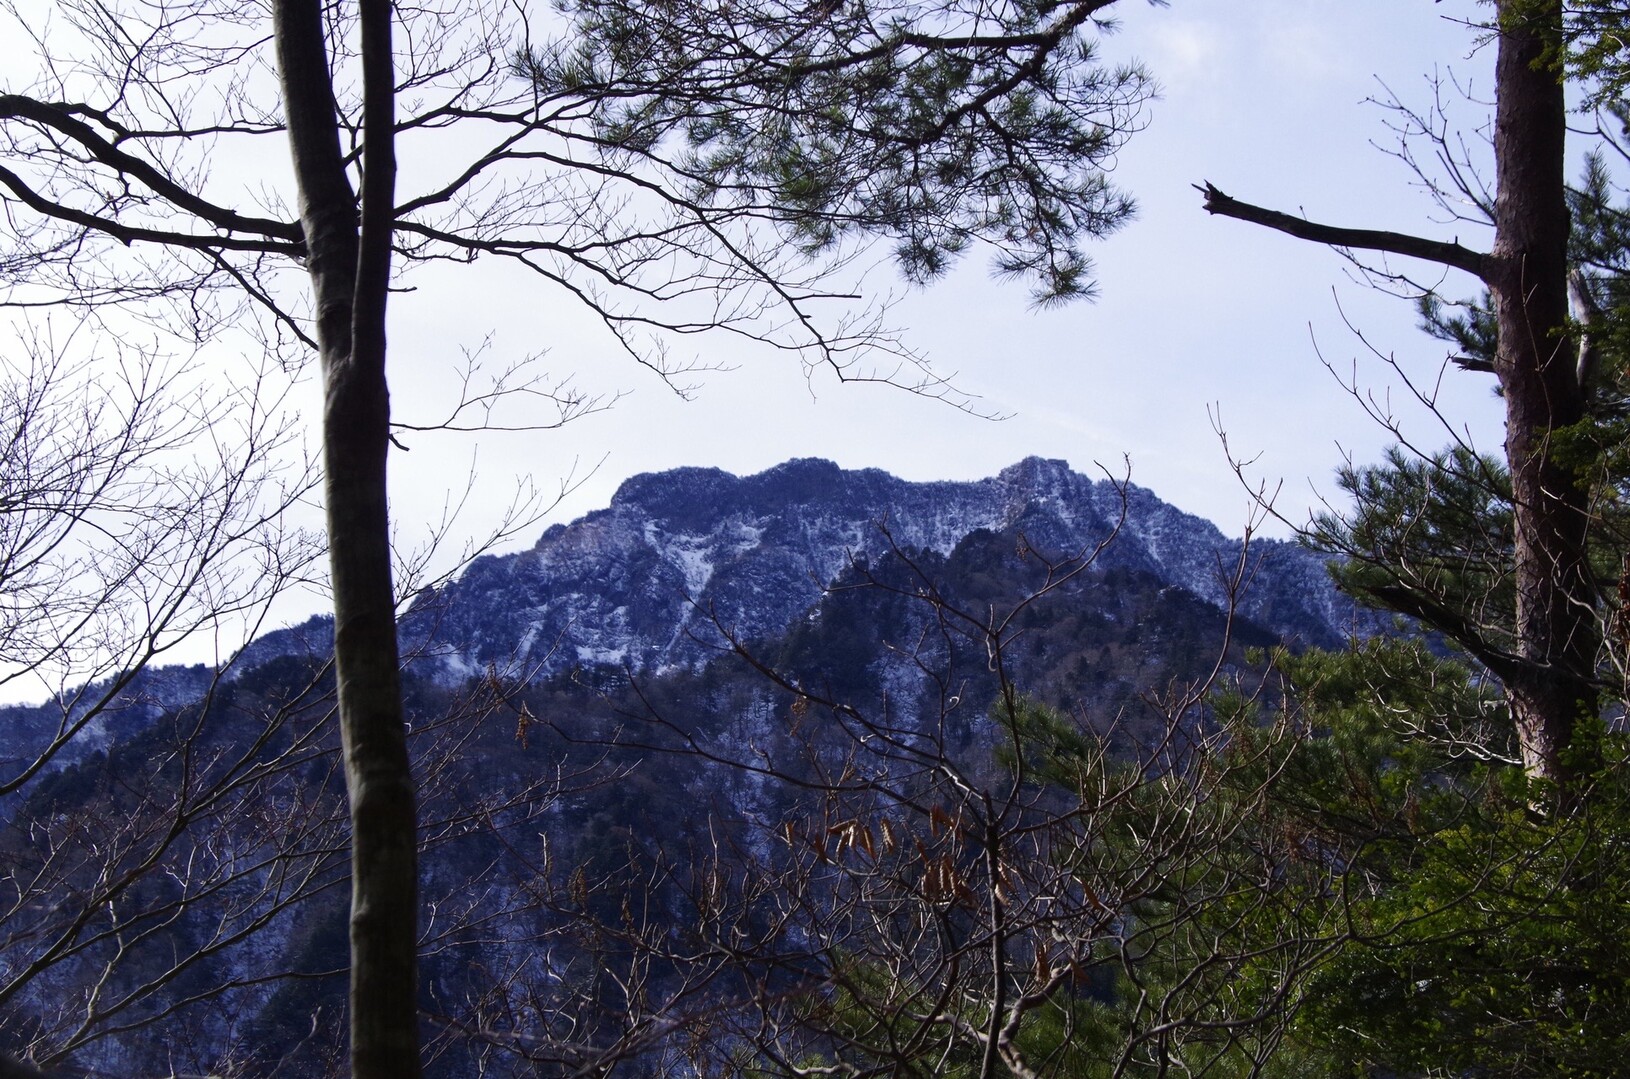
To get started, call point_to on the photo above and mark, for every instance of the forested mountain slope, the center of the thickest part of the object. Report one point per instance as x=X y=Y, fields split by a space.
x=631 y=690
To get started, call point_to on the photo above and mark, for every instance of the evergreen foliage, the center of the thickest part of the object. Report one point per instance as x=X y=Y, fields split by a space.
x=1484 y=938
x=935 y=126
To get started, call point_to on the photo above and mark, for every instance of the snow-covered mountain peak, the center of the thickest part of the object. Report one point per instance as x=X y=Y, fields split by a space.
x=648 y=581
x=1039 y=476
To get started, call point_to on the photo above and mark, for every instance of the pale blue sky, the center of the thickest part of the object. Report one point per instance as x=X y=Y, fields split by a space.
x=1201 y=321
x=1198 y=317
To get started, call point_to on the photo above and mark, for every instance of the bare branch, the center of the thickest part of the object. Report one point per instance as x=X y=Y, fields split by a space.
x=1397 y=243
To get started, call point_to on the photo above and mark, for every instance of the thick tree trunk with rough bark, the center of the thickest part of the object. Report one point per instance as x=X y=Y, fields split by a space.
x=349 y=263
x=1527 y=274
x=1550 y=675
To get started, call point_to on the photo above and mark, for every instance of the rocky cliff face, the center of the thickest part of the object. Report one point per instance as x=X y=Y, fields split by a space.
x=654 y=581
x=648 y=582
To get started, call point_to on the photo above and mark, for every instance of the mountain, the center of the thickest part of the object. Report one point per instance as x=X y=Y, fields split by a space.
x=653 y=582
x=646 y=583
x=665 y=676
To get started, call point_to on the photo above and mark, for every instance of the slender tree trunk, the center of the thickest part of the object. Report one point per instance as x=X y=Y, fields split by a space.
x=1527 y=274
x=349 y=262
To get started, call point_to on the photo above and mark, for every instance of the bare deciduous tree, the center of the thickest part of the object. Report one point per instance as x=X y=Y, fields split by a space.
x=959 y=891
x=972 y=123
x=142 y=508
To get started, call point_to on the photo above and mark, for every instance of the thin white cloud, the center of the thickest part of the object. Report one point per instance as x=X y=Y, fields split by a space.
x=1181 y=52
x=1305 y=51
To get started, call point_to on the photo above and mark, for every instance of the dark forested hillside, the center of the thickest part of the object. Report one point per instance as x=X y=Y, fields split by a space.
x=655 y=687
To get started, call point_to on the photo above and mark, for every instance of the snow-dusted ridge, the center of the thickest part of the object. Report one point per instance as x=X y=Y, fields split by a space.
x=646 y=582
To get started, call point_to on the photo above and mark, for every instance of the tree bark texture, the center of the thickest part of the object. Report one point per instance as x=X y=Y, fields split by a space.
x=1557 y=626
x=1550 y=681
x=349 y=263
